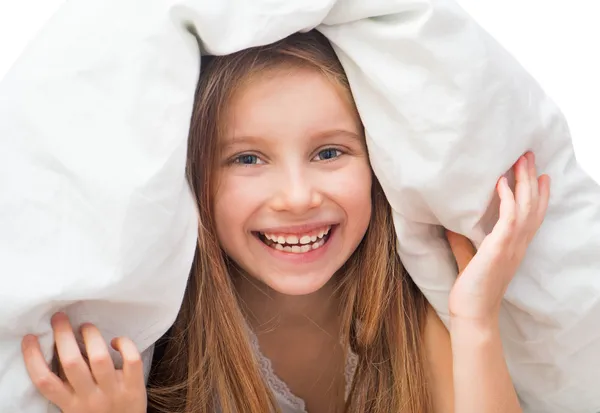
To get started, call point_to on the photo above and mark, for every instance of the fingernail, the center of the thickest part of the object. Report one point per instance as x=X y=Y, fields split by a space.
x=57 y=317
x=28 y=340
x=531 y=158
x=84 y=326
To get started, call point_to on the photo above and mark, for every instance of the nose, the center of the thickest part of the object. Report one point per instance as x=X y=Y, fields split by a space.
x=297 y=192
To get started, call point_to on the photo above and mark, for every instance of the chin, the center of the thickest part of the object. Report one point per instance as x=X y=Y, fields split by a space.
x=297 y=285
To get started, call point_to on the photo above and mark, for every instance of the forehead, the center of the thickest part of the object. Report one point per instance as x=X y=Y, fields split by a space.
x=290 y=103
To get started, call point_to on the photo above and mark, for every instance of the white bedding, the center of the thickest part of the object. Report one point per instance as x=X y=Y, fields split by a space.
x=96 y=218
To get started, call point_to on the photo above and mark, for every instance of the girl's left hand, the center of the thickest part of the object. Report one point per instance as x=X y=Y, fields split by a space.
x=484 y=275
x=97 y=388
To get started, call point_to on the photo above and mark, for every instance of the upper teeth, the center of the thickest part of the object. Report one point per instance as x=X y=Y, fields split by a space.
x=298 y=238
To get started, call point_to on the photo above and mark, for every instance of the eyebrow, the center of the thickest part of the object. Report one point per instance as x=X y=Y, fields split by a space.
x=338 y=132
x=248 y=139
x=236 y=140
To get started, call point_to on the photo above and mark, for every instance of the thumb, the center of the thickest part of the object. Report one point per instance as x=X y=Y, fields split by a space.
x=462 y=249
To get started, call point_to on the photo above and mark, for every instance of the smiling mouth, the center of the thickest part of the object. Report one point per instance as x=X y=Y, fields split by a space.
x=296 y=243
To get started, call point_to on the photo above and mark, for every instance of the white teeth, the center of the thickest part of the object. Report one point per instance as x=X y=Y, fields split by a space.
x=297 y=239
x=298 y=249
x=297 y=243
x=305 y=239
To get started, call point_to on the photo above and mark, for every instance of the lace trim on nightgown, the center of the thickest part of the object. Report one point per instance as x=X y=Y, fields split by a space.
x=350 y=371
x=279 y=387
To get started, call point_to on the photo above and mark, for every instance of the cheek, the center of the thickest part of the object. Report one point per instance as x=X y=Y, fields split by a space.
x=362 y=201
x=232 y=204
x=237 y=199
x=353 y=189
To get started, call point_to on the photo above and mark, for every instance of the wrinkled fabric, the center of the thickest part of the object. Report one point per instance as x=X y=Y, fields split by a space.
x=96 y=218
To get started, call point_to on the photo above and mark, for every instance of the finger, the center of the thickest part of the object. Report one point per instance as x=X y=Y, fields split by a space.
x=544 y=190
x=47 y=383
x=533 y=180
x=133 y=368
x=462 y=249
x=101 y=364
x=523 y=188
x=74 y=366
x=507 y=214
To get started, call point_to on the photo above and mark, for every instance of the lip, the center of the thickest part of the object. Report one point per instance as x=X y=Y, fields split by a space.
x=298 y=229
x=302 y=258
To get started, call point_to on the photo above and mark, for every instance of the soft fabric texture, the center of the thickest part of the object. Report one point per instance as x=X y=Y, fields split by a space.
x=96 y=217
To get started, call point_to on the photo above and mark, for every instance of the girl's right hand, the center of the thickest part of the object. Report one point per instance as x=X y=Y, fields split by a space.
x=99 y=388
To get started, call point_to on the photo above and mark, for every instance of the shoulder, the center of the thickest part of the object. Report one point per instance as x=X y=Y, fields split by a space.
x=438 y=359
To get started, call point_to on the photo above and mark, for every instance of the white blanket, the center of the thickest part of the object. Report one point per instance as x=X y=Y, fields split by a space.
x=96 y=218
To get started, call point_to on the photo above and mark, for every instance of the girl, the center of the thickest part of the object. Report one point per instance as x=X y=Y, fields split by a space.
x=297 y=301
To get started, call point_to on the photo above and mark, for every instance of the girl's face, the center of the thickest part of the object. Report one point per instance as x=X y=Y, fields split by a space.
x=293 y=199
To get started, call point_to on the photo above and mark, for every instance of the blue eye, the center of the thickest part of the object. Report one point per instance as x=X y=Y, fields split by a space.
x=329 y=153
x=246 y=159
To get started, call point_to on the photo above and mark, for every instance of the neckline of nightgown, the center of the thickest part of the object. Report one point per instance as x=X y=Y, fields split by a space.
x=280 y=388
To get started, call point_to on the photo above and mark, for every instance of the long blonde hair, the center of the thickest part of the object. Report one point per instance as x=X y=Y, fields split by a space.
x=208 y=361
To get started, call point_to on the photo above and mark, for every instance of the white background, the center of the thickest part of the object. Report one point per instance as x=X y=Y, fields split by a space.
x=558 y=41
